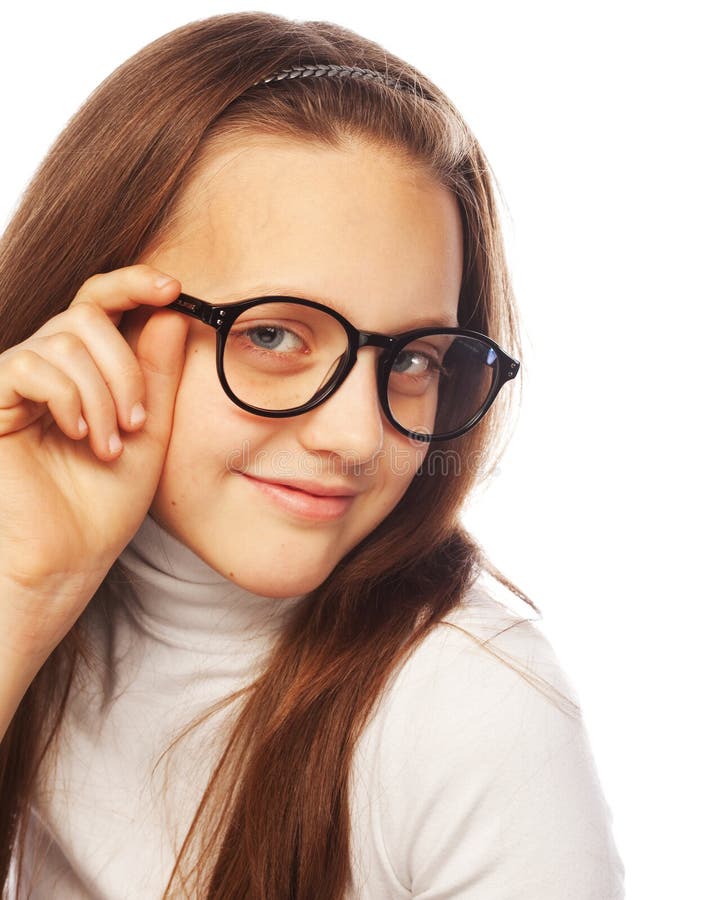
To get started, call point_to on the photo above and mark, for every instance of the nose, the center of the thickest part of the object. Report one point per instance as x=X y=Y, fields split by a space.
x=350 y=422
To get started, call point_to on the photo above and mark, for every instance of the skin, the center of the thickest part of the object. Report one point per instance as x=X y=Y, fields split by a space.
x=358 y=229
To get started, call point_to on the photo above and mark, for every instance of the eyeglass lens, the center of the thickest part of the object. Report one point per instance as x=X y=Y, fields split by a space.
x=279 y=356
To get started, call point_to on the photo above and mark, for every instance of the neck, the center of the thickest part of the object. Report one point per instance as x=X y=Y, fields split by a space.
x=179 y=599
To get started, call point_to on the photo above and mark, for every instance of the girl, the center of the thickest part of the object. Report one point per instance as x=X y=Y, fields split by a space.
x=255 y=315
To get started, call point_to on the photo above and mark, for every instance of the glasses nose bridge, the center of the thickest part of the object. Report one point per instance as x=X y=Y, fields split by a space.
x=359 y=339
x=374 y=339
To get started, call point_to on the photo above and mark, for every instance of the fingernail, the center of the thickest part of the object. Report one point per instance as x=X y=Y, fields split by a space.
x=138 y=414
x=162 y=281
x=114 y=443
x=82 y=424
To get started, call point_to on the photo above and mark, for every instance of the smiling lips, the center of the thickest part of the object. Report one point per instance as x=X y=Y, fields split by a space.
x=309 y=500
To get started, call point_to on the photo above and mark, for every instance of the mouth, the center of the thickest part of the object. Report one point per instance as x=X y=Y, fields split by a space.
x=304 y=503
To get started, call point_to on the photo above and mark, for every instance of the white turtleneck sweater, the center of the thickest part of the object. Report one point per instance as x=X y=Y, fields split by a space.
x=468 y=783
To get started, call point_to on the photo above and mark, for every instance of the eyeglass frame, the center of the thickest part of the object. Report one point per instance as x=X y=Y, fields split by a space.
x=221 y=318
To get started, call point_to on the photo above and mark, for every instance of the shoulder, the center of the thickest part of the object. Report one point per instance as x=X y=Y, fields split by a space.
x=483 y=768
x=484 y=688
x=483 y=672
x=484 y=646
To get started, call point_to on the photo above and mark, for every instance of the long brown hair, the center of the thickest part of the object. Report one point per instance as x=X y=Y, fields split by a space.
x=104 y=194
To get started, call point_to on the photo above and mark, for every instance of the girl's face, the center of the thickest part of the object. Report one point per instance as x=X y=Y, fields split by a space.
x=359 y=230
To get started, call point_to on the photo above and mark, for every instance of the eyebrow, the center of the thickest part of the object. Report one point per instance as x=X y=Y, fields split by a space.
x=281 y=291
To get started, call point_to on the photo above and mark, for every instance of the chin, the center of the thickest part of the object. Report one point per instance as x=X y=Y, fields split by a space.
x=264 y=564
x=278 y=579
x=278 y=588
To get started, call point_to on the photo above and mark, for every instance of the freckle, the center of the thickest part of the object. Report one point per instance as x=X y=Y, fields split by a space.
x=173 y=502
x=231 y=574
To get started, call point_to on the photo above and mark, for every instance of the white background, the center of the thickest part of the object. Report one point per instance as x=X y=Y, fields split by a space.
x=603 y=126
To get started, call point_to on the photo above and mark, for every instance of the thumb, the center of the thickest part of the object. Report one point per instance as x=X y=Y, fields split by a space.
x=161 y=352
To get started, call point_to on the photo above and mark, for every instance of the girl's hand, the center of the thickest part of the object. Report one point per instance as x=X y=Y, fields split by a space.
x=71 y=497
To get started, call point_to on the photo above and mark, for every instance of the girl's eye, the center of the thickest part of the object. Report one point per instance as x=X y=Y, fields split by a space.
x=413 y=362
x=271 y=337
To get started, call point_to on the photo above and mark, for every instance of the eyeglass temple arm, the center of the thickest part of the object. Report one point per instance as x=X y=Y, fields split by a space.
x=198 y=309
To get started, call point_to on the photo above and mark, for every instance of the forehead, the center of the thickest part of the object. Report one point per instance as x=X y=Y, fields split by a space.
x=356 y=227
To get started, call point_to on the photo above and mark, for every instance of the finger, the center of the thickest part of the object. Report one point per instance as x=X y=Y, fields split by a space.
x=29 y=387
x=161 y=351
x=110 y=355
x=126 y=288
x=71 y=356
x=132 y=324
x=132 y=288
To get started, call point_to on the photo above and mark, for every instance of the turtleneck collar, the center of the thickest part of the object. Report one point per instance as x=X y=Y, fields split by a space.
x=181 y=601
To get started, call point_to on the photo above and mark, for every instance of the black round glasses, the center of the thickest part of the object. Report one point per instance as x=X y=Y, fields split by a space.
x=283 y=356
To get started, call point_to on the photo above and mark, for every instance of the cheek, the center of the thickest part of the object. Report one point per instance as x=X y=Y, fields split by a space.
x=196 y=399
x=407 y=456
x=211 y=435
x=402 y=461
x=201 y=412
